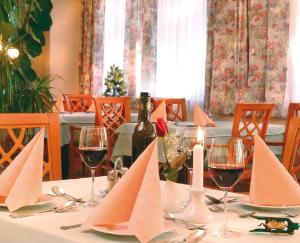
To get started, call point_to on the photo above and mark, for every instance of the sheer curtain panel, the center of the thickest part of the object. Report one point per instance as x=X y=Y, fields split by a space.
x=181 y=49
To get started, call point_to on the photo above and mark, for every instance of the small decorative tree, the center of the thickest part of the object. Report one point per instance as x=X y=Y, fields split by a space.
x=114 y=82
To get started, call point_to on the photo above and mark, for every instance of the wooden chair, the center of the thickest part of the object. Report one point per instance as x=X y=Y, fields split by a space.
x=16 y=130
x=175 y=108
x=112 y=112
x=77 y=102
x=249 y=119
x=293 y=111
x=291 y=154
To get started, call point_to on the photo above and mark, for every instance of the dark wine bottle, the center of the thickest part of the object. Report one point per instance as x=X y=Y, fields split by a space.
x=144 y=131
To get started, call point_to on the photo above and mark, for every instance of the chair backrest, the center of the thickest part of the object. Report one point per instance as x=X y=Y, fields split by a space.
x=293 y=111
x=112 y=112
x=251 y=119
x=77 y=102
x=16 y=130
x=291 y=153
x=175 y=108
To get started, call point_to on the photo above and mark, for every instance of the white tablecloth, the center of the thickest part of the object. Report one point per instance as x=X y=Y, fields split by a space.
x=123 y=145
x=44 y=228
x=78 y=119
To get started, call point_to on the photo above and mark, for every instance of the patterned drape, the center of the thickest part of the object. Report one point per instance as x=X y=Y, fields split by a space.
x=132 y=38
x=92 y=49
x=246 y=53
x=140 y=41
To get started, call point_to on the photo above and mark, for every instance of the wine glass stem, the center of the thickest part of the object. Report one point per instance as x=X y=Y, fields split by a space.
x=93 y=179
x=225 y=211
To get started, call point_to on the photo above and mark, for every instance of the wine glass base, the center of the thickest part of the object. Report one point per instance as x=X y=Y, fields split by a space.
x=90 y=204
x=225 y=233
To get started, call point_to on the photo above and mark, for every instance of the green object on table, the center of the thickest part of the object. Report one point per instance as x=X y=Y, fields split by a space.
x=276 y=225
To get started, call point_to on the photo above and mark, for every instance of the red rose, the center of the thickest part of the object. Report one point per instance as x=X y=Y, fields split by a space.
x=161 y=127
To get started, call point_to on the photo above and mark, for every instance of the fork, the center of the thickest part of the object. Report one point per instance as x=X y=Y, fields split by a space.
x=241 y=214
x=219 y=201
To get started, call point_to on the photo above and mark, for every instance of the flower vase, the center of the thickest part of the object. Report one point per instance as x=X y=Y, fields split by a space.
x=170 y=198
x=196 y=211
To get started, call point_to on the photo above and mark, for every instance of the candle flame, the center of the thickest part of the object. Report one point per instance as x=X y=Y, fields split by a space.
x=200 y=135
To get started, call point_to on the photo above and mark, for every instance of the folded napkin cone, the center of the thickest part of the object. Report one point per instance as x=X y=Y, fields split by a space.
x=135 y=199
x=21 y=181
x=271 y=184
x=159 y=112
x=201 y=119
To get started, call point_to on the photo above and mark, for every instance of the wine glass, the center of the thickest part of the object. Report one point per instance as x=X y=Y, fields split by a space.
x=225 y=166
x=92 y=149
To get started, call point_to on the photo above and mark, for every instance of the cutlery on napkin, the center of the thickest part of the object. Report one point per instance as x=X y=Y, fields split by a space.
x=21 y=181
x=159 y=112
x=271 y=184
x=135 y=199
x=201 y=118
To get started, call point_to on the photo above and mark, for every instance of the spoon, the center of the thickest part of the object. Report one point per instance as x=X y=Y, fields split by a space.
x=194 y=237
x=58 y=209
x=58 y=191
x=190 y=226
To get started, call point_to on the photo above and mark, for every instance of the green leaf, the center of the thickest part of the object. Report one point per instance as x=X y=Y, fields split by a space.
x=171 y=175
x=38 y=33
x=45 y=5
x=30 y=74
x=25 y=61
x=42 y=19
x=34 y=48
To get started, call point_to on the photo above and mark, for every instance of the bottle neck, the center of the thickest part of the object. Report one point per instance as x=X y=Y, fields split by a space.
x=145 y=109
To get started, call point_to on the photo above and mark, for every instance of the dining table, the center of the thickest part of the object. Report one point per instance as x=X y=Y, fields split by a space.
x=45 y=227
x=123 y=145
x=78 y=119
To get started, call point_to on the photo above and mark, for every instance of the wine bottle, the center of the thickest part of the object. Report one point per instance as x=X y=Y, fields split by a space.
x=144 y=131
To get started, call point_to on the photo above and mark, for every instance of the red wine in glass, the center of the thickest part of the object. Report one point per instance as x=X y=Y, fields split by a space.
x=92 y=157
x=225 y=166
x=92 y=149
x=225 y=176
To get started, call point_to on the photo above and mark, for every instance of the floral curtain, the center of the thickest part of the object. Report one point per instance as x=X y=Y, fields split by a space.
x=139 y=46
x=132 y=38
x=246 y=53
x=92 y=49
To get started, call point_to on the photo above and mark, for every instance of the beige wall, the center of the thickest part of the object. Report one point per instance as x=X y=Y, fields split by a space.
x=64 y=45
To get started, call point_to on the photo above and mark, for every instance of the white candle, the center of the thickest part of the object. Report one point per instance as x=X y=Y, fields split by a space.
x=197 y=182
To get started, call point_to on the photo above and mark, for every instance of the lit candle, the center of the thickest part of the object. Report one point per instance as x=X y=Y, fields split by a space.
x=198 y=161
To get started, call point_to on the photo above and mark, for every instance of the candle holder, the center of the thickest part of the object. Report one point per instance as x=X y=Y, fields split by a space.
x=197 y=211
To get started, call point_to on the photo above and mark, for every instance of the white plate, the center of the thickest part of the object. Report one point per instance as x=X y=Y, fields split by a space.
x=245 y=201
x=122 y=230
x=44 y=199
x=185 y=124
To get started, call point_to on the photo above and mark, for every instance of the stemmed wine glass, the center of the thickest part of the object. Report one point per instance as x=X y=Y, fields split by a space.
x=92 y=149
x=225 y=166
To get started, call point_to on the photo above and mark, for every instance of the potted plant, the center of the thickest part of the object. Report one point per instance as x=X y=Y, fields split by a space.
x=114 y=82
x=22 y=23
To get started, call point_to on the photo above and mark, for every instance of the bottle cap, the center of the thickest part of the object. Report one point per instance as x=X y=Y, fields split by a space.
x=144 y=94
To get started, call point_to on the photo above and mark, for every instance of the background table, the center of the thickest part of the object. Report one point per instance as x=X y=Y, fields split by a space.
x=78 y=119
x=123 y=145
x=45 y=227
